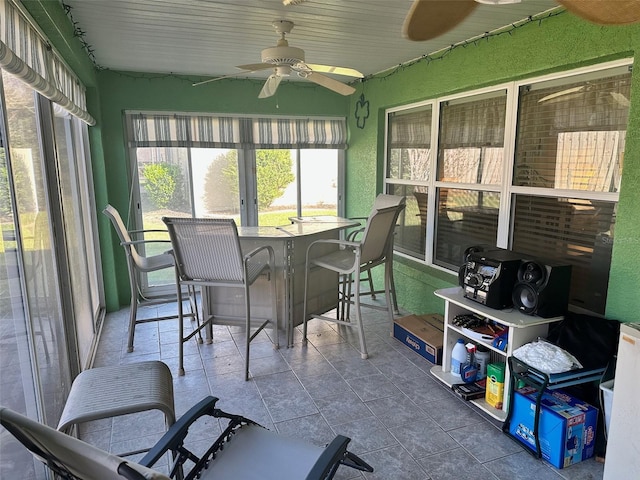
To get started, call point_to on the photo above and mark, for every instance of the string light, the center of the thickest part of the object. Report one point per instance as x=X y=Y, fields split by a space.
x=80 y=35
x=475 y=41
x=426 y=58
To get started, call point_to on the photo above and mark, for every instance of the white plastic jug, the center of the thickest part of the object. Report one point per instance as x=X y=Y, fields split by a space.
x=482 y=359
x=458 y=356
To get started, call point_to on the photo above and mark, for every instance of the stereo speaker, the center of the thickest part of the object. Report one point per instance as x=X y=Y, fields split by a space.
x=542 y=288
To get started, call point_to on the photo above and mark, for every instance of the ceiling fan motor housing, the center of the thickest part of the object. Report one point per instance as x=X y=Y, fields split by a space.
x=282 y=55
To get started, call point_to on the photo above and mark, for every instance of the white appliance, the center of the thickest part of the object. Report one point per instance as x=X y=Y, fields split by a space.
x=622 y=459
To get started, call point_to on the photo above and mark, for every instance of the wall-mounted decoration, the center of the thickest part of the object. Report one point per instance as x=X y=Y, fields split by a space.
x=362 y=111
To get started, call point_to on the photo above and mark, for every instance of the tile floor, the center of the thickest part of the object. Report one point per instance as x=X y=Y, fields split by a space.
x=401 y=420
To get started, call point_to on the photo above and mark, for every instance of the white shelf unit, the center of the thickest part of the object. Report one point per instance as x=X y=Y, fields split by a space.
x=522 y=329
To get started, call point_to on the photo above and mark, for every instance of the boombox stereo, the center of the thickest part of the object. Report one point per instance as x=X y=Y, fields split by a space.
x=488 y=276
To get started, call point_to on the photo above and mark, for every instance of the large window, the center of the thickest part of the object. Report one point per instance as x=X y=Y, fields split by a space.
x=408 y=173
x=259 y=171
x=470 y=156
x=532 y=166
x=567 y=170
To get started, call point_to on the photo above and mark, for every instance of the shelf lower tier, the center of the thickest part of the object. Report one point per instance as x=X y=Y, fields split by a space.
x=449 y=379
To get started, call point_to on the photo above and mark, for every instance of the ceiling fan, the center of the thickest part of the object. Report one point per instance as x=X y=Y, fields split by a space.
x=286 y=60
x=428 y=19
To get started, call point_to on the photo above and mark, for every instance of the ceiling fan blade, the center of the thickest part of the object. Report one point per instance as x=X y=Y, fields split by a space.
x=605 y=12
x=349 y=72
x=270 y=86
x=214 y=79
x=429 y=19
x=255 y=67
x=330 y=83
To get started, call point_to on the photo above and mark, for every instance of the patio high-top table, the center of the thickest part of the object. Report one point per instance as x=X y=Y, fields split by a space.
x=290 y=243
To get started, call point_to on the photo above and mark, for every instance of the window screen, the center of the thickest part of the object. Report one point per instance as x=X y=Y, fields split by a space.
x=408 y=170
x=574 y=231
x=471 y=152
x=572 y=136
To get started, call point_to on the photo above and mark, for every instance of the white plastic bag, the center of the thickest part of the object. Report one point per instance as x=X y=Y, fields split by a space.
x=546 y=357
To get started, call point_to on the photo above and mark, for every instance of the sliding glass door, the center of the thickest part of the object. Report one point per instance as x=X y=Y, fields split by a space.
x=255 y=187
x=77 y=216
x=49 y=276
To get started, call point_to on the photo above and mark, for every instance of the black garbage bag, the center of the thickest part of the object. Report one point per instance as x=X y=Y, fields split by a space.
x=594 y=342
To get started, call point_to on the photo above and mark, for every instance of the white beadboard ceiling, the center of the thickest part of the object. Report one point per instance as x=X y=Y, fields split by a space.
x=211 y=37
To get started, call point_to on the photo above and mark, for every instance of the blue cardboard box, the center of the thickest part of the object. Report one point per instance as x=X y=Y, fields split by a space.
x=567 y=429
x=423 y=334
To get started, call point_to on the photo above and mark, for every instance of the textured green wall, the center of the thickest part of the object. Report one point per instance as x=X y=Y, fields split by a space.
x=559 y=43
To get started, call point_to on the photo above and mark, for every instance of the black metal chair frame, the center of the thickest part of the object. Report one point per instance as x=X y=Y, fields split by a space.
x=49 y=445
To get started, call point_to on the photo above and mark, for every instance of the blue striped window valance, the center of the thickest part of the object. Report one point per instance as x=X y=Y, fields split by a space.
x=222 y=131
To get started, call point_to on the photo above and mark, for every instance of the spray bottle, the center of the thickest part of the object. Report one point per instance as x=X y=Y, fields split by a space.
x=469 y=370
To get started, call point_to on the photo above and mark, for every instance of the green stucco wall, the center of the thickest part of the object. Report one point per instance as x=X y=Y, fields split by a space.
x=559 y=43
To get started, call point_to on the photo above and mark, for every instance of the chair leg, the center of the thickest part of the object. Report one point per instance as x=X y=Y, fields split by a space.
x=363 y=345
x=388 y=285
x=191 y=292
x=342 y=286
x=133 y=311
x=371 y=289
x=304 y=305
x=247 y=306
x=180 y=327
x=274 y=309
x=392 y=284
x=349 y=295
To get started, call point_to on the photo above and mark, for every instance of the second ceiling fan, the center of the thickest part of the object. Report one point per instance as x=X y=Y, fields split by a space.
x=428 y=19
x=286 y=61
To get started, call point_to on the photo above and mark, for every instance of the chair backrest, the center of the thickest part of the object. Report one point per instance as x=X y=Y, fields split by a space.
x=65 y=454
x=385 y=200
x=378 y=231
x=121 y=230
x=206 y=249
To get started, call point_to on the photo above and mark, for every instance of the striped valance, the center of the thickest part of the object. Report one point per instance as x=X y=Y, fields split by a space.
x=220 y=131
x=26 y=54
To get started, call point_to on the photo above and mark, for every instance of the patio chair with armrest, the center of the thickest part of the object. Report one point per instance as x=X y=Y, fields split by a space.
x=382 y=200
x=244 y=450
x=208 y=254
x=352 y=258
x=138 y=264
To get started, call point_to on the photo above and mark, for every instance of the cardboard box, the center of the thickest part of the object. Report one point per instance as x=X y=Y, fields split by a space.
x=423 y=334
x=567 y=429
